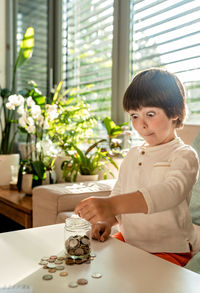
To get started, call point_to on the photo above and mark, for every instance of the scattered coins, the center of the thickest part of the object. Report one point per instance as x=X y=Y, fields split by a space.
x=82 y=281
x=47 y=277
x=96 y=275
x=73 y=284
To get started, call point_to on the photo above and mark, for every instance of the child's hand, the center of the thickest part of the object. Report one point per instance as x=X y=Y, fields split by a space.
x=95 y=209
x=101 y=231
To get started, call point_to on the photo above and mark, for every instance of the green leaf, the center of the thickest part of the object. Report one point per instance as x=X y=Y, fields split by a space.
x=39 y=169
x=26 y=47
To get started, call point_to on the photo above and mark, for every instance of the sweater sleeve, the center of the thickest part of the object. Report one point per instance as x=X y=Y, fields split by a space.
x=177 y=184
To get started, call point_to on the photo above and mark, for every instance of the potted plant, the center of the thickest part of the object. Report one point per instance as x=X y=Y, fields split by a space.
x=86 y=163
x=7 y=116
x=35 y=115
x=72 y=126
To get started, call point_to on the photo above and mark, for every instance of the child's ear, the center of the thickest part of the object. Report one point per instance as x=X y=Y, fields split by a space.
x=175 y=118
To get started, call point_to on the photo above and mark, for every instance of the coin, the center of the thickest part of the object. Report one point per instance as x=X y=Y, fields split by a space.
x=51 y=260
x=43 y=262
x=51 y=265
x=79 y=261
x=60 y=268
x=53 y=257
x=58 y=262
x=63 y=274
x=45 y=258
x=69 y=261
x=45 y=267
x=52 y=270
x=82 y=281
x=73 y=284
x=47 y=277
x=96 y=275
x=61 y=258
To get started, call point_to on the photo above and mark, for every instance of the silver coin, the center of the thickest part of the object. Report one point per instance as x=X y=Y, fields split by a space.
x=58 y=262
x=51 y=265
x=45 y=258
x=82 y=281
x=96 y=275
x=73 y=284
x=60 y=268
x=47 y=277
x=43 y=262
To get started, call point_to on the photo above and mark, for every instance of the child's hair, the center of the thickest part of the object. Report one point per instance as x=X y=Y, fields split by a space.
x=156 y=87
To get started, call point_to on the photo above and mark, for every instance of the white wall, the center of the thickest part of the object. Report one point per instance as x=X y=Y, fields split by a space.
x=2 y=42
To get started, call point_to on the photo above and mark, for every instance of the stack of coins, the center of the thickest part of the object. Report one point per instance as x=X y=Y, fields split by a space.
x=78 y=246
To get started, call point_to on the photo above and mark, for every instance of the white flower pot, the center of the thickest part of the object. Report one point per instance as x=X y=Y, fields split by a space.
x=83 y=178
x=57 y=168
x=5 y=167
x=27 y=181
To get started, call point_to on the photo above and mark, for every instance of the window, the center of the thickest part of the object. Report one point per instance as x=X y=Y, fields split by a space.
x=35 y=14
x=166 y=34
x=87 y=33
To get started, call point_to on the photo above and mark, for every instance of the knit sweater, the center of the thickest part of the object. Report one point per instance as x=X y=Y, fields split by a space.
x=165 y=175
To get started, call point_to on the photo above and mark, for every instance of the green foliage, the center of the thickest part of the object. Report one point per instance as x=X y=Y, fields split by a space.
x=75 y=121
x=7 y=117
x=113 y=131
x=89 y=162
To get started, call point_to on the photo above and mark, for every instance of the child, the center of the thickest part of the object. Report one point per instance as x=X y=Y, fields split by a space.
x=150 y=200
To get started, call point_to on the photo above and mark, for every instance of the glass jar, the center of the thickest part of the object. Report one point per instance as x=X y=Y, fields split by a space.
x=77 y=235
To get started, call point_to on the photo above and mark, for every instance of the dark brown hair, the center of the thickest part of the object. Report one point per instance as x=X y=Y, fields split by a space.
x=156 y=87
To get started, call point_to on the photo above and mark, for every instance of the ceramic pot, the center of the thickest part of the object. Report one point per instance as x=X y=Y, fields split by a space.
x=6 y=161
x=83 y=178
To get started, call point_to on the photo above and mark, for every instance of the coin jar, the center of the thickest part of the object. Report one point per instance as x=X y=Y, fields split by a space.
x=77 y=236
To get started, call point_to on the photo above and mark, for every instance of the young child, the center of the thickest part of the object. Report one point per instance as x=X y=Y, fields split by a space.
x=150 y=200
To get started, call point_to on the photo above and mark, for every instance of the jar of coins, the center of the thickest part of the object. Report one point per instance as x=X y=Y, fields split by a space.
x=77 y=237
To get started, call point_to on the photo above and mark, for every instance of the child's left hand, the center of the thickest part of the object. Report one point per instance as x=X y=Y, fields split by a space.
x=95 y=209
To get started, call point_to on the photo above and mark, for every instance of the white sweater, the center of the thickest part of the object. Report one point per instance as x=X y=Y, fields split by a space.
x=165 y=174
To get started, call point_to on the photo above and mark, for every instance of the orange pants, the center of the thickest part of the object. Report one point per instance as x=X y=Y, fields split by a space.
x=180 y=259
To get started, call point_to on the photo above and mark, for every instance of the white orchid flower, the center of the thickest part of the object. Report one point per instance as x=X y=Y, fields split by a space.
x=36 y=111
x=10 y=106
x=30 y=102
x=20 y=110
x=22 y=122
x=31 y=129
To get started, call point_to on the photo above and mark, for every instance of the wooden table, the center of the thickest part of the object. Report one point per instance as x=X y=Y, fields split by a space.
x=16 y=206
x=124 y=268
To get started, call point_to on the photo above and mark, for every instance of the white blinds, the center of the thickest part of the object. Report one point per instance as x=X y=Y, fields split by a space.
x=35 y=14
x=87 y=34
x=166 y=33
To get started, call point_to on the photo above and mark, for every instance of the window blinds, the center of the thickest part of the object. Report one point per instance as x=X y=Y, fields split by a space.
x=166 y=33
x=87 y=33
x=35 y=14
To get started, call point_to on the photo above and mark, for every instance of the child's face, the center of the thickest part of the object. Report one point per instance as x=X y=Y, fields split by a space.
x=153 y=125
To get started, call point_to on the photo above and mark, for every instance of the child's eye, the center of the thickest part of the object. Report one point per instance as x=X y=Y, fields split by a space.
x=134 y=116
x=151 y=114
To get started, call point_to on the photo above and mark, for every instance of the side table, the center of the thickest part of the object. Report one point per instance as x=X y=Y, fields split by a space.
x=16 y=206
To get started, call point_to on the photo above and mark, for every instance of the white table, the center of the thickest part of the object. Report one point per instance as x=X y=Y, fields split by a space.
x=124 y=268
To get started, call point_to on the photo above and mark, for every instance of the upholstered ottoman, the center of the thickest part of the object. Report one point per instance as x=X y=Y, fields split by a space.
x=54 y=203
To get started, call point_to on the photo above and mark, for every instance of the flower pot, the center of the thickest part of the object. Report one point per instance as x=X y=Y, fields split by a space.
x=5 y=167
x=57 y=168
x=83 y=178
x=27 y=181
